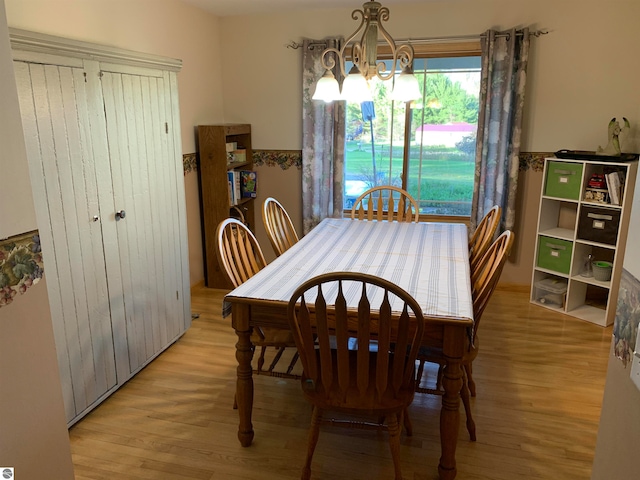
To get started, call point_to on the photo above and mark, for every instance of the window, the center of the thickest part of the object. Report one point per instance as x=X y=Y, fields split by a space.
x=426 y=147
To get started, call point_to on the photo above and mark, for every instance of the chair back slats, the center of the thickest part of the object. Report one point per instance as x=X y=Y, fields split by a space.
x=278 y=225
x=238 y=251
x=330 y=361
x=487 y=273
x=324 y=342
x=342 y=339
x=371 y=205
x=363 y=338
x=384 y=345
x=307 y=344
x=483 y=235
x=380 y=207
x=402 y=346
x=243 y=253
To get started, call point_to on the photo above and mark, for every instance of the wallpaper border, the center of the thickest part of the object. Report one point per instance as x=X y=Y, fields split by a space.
x=286 y=159
x=21 y=265
x=533 y=160
x=190 y=162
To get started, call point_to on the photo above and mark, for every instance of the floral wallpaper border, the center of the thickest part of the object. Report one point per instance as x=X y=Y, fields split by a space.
x=533 y=160
x=21 y=265
x=286 y=159
x=189 y=162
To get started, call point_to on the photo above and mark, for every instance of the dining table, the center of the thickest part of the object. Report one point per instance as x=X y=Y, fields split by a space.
x=430 y=260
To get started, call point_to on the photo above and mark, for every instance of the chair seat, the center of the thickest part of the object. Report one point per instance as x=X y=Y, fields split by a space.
x=353 y=401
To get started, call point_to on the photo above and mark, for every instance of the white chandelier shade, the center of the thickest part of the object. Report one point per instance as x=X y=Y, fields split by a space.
x=364 y=56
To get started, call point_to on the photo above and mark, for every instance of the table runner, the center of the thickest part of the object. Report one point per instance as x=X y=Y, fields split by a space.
x=429 y=260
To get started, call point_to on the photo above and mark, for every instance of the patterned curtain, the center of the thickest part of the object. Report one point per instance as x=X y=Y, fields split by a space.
x=323 y=136
x=504 y=73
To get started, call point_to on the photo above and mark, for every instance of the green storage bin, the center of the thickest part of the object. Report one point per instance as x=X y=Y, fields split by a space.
x=563 y=180
x=554 y=254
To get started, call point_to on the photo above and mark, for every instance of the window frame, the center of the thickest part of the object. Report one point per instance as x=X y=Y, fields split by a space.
x=430 y=49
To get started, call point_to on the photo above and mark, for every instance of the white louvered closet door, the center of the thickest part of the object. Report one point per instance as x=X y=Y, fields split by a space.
x=103 y=144
x=139 y=117
x=55 y=109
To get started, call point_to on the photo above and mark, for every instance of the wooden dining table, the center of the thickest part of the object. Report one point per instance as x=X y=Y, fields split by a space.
x=429 y=260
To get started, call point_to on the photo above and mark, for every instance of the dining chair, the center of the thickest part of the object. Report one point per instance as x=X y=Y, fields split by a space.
x=358 y=361
x=483 y=282
x=278 y=225
x=483 y=235
x=379 y=203
x=241 y=258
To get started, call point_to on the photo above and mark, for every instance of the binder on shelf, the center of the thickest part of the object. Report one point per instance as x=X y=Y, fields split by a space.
x=248 y=183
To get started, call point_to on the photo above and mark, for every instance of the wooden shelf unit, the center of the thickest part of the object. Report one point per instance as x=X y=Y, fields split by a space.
x=214 y=193
x=559 y=235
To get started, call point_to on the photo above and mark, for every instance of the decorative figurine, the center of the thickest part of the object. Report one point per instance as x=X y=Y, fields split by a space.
x=617 y=137
x=613 y=147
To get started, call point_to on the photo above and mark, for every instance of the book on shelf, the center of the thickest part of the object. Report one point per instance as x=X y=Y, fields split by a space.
x=237 y=196
x=248 y=183
x=614 y=186
x=230 y=184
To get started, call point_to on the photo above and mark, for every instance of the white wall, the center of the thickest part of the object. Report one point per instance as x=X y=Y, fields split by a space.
x=33 y=429
x=14 y=180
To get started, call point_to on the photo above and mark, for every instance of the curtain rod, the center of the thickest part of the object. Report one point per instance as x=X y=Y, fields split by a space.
x=418 y=41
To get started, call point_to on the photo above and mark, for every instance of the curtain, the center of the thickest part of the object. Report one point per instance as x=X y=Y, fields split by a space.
x=503 y=78
x=323 y=137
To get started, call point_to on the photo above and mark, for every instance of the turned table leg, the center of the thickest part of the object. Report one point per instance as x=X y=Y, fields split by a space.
x=454 y=344
x=244 y=383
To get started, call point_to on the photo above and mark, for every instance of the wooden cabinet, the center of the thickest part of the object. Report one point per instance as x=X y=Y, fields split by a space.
x=214 y=189
x=583 y=218
x=103 y=145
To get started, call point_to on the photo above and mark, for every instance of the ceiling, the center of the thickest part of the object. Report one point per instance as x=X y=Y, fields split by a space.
x=225 y=8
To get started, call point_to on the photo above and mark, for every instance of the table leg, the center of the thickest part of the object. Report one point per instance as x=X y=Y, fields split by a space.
x=244 y=382
x=450 y=413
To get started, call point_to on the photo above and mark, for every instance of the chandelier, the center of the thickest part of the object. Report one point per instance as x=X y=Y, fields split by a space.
x=364 y=56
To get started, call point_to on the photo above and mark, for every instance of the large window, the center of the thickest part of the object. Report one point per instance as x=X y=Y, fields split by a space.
x=426 y=147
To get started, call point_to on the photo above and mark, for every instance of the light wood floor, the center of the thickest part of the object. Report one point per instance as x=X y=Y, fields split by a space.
x=540 y=380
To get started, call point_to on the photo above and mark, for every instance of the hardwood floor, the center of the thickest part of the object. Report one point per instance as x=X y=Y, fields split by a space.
x=540 y=379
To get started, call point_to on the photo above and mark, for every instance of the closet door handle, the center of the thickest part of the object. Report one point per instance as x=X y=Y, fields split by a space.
x=96 y=218
x=120 y=214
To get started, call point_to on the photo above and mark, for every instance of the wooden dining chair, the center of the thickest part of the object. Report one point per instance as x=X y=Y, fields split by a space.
x=379 y=203
x=356 y=361
x=483 y=235
x=241 y=258
x=483 y=282
x=278 y=225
